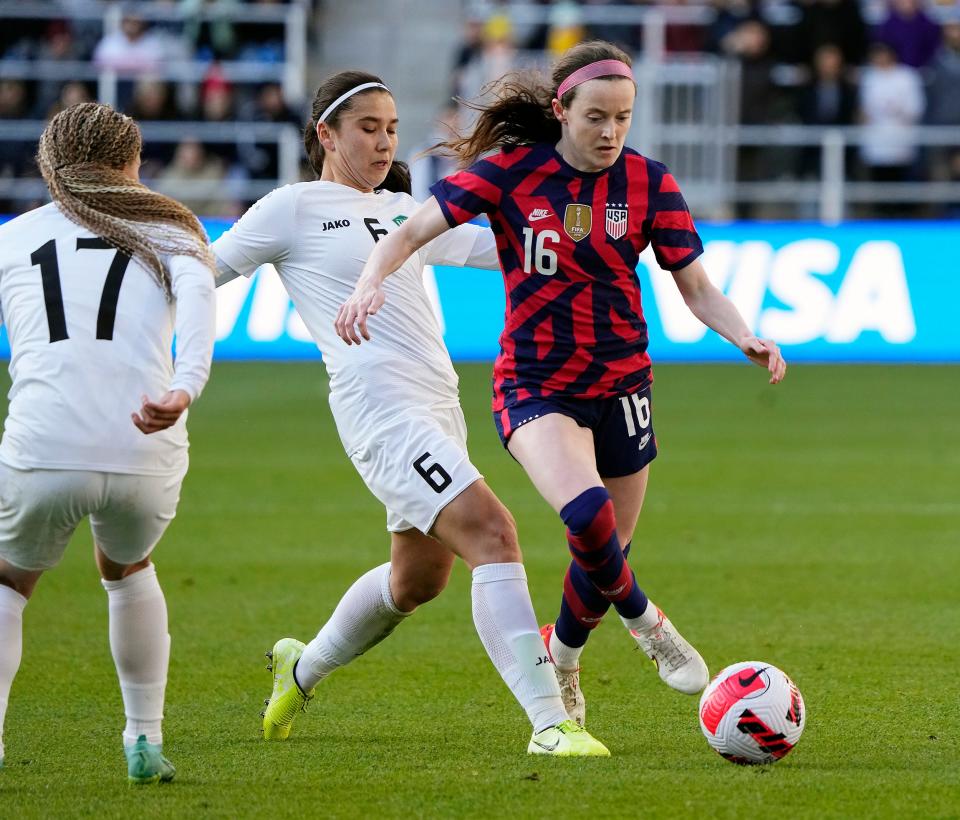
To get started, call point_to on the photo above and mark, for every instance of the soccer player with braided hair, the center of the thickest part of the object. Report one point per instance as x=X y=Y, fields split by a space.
x=92 y=288
x=572 y=209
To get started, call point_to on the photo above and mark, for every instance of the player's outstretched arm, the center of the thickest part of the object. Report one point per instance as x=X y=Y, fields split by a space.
x=389 y=254
x=717 y=312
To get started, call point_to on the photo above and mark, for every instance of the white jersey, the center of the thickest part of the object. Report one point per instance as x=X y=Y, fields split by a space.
x=318 y=235
x=91 y=332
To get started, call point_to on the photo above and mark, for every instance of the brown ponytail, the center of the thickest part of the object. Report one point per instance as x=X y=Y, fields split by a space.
x=398 y=177
x=81 y=155
x=521 y=112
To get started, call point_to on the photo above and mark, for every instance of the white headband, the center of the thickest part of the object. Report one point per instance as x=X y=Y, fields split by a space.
x=343 y=97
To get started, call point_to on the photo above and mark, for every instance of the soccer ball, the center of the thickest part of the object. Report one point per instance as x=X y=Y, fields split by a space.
x=752 y=713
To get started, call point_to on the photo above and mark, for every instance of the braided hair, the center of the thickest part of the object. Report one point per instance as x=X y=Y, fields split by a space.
x=81 y=155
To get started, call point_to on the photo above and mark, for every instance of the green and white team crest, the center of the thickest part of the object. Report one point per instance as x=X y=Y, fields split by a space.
x=399 y=220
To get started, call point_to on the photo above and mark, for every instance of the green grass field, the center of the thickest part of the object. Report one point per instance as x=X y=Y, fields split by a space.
x=815 y=526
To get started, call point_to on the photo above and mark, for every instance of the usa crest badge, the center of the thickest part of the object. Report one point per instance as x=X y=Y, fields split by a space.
x=616 y=221
x=577 y=221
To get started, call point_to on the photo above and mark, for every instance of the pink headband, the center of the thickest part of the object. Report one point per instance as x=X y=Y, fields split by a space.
x=601 y=68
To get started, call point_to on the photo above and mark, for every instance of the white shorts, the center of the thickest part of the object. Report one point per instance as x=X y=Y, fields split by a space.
x=40 y=509
x=417 y=465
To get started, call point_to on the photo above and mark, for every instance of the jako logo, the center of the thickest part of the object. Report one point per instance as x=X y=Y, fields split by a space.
x=815 y=298
x=337 y=223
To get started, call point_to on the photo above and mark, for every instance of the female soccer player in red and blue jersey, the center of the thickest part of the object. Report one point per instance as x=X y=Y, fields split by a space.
x=572 y=209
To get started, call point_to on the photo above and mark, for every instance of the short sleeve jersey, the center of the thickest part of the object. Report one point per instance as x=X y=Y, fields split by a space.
x=91 y=331
x=569 y=242
x=318 y=236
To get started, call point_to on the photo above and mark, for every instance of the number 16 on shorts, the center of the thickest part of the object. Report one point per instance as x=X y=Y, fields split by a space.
x=636 y=414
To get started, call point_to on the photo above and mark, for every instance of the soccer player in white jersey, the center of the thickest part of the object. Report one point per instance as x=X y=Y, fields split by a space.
x=397 y=410
x=92 y=287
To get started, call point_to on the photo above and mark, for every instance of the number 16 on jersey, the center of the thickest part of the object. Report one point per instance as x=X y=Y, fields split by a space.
x=536 y=254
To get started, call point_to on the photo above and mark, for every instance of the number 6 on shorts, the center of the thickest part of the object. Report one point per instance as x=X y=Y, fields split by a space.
x=438 y=478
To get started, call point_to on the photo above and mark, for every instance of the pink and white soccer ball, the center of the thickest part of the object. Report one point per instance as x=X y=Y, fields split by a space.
x=752 y=713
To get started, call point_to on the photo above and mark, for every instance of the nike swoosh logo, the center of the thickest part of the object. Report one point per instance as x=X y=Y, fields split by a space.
x=751 y=678
x=538 y=218
x=546 y=748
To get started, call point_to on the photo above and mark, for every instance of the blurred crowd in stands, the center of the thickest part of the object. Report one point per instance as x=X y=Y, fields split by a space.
x=136 y=52
x=882 y=64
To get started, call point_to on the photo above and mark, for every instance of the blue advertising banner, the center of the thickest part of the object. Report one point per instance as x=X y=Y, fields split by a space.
x=859 y=292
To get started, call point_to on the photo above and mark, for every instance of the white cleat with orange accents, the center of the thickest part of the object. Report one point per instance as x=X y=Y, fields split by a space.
x=678 y=663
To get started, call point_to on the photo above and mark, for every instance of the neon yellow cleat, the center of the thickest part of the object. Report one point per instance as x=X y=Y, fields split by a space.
x=566 y=739
x=287 y=698
x=146 y=763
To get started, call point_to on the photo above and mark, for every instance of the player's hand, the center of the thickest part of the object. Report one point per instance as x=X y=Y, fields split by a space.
x=764 y=352
x=161 y=414
x=367 y=298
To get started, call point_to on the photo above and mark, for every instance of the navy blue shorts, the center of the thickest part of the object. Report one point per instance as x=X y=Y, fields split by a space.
x=623 y=438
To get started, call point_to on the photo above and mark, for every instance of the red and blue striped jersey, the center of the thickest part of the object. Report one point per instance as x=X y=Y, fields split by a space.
x=569 y=242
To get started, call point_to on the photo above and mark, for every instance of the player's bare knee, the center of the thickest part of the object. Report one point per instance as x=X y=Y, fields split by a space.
x=112 y=571
x=498 y=535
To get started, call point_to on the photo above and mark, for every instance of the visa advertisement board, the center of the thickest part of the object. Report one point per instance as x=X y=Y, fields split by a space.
x=859 y=292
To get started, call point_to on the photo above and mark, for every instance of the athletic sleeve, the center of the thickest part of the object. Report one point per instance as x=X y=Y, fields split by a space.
x=264 y=234
x=467 y=194
x=466 y=246
x=195 y=324
x=673 y=235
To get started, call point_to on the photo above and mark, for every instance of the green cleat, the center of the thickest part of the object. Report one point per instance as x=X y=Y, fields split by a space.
x=146 y=763
x=287 y=698
x=566 y=739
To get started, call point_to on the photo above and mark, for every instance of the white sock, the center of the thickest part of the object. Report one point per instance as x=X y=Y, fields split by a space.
x=507 y=626
x=141 y=650
x=644 y=622
x=567 y=658
x=365 y=616
x=11 y=645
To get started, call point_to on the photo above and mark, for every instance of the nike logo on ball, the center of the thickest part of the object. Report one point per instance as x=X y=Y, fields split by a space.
x=751 y=678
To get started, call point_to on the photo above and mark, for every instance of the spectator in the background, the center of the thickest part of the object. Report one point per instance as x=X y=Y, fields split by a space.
x=71 y=93
x=58 y=45
x=731 y=14
x=468 y=50
x=14 y=102
x=262 y=159
x=495 y=58
x=760 y=101
x=15 y=156
x=891 y=102
x=836 y=22
x=213 y=39
x=944 y=88
x=153 y=101
x=132 y=49
x=425 y=169
x=197 y=179
x=943 y=106
x=828 y=99
x=566 y=27
x=912 y=35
